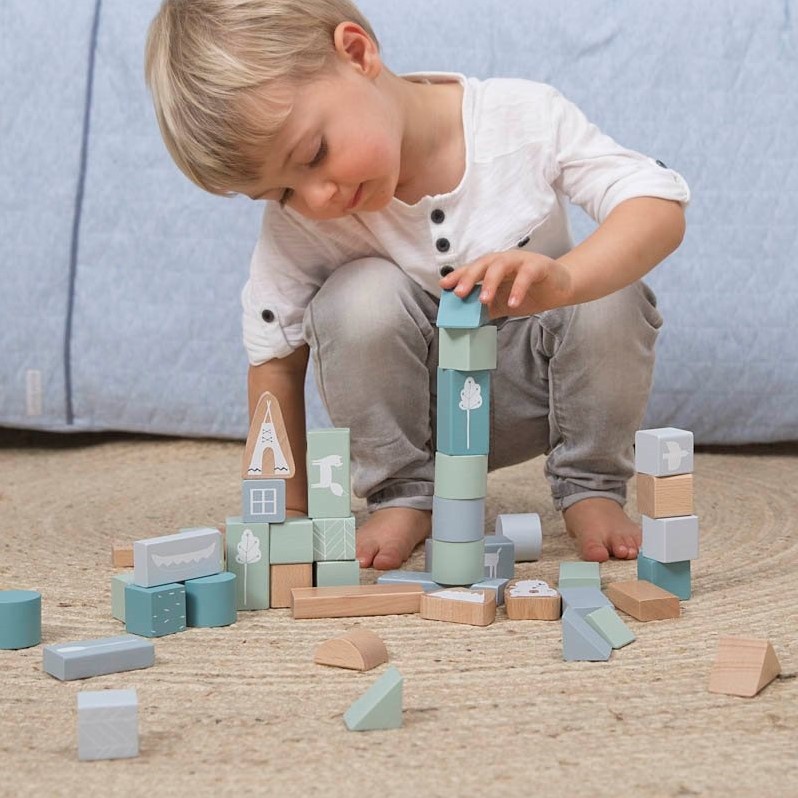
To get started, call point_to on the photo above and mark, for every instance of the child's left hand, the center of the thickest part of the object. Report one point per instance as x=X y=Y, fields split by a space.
x=514 y=283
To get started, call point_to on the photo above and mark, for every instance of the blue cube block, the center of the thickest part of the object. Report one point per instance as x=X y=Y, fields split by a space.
x=155 y=611
x=463 y=412
x=263 y=501
x=671 y=576
x=462 y=314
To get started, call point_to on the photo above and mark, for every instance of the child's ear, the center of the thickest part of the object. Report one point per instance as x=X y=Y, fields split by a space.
x=354 y=46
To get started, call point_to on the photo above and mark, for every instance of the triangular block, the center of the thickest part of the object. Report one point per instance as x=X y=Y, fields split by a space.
x=267 y=454
x=743 y=666
x=380 y=707
x=607 y=623
x=580 y=642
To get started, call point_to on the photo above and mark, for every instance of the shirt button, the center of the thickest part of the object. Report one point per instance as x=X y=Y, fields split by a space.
x=442 y=244
x=438 y=216
x=267 y=316
x=446 y=270
x=659 y=163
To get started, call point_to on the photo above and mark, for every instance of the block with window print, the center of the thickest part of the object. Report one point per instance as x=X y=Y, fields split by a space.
x=263 y=501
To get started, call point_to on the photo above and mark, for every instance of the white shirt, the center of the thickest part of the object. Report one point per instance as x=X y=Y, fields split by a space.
x=528 y=151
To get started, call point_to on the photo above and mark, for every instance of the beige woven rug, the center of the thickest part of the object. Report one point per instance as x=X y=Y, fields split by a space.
x=495 y=711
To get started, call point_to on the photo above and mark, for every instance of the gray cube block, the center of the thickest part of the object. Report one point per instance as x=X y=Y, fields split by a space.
x=108 y=725
x=263 y=501
x=458 y=520
x=673 y=539
x=583 y=599
x=175 y=558
x=664 y=452
x=85 y=658
x=423 y=578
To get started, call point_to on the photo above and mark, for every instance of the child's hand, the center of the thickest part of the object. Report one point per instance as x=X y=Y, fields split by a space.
x=514 y=283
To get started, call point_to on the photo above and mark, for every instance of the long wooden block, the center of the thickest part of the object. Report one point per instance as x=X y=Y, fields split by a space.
x=356 y=600
x=743 y=666
x=460 y=605
x=643 y=601
x=662 y=497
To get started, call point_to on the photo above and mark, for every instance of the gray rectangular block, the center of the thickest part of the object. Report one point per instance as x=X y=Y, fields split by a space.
x=85 y=658
x=583 y=599
x=423 y=578
x=175 y=558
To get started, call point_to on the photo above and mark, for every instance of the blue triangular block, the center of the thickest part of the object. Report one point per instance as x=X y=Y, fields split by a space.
x=580 y=642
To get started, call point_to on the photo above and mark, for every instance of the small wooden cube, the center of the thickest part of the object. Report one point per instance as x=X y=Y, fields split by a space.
x=663 y=497
x=643 y=601
x=283 y=578
x=531 y=600
x=460 y=605
x=122 y=554
x=743 y=666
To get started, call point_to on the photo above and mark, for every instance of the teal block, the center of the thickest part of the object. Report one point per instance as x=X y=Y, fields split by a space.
x=263 y=501
x=671 y=576
x=291 y=542
x=580 y=641
x=329 y=486
x=337 y=574
x=20 y=619
x=118 y=585
x=579 y=574
x=248 y=557
x=155 y=611
x=458 y=563
x=380 y=707
x=461 y=476
x=468 y=350
x=463 y=313
x=607 y=623
x=211 y=600
x=334 y=539
x=463 y=412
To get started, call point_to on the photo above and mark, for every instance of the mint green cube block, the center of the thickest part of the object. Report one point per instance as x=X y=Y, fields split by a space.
x=211 y=600
x=337 y=574
x=468 y=350
x=118 y=585
x=458 y=563
x=20 y=619
x=607 y=623
x=155 y=611
x=334 y=539
x=461 y=476
x=329 y=490
x=291 y=541
x=248 y=553
x=579 y=574
x=671 y=576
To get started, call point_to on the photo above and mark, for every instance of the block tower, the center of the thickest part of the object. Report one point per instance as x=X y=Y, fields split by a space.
x=467 y=356
x=664 y=465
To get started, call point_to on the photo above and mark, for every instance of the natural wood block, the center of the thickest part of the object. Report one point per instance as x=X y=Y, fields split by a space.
x=356 y=600
x=643 y=601
x=531 y=600
x=460 y=605
x=743 y=666
x=122 y=554
x=358 y=649
x=662 y=497
x=267 y=454
x=284 y=578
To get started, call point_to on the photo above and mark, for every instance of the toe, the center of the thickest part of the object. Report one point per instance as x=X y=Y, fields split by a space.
x=594 y=551
x=388 y=557
x=367 y=548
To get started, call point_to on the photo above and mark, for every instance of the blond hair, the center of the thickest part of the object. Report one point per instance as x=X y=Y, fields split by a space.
x=205 y=61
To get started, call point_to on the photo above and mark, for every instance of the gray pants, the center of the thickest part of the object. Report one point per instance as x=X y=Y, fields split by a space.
x=571 y=382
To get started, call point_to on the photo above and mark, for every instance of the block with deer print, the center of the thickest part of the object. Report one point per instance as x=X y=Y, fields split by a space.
x=463 y=416
x=267 y=454
x=328 y=473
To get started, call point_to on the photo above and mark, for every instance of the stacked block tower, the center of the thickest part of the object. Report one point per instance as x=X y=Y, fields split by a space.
x=664 y=465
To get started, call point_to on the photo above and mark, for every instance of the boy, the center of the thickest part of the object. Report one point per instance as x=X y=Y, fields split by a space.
x=383 y=191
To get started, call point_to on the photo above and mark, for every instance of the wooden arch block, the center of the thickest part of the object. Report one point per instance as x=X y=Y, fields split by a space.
x=268 y=451
x=743 y=666
x=359 y=650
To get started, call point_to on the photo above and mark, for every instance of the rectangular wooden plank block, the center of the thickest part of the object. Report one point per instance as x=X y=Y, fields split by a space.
x=355 y=601
x=643 y=601
x=662 y=497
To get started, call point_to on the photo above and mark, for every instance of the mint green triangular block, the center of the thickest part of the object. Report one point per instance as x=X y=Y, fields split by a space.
x=607 y=623
x=380 y=707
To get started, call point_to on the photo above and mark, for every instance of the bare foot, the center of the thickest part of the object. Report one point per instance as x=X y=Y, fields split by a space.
x=389 y=536
x=602 y=530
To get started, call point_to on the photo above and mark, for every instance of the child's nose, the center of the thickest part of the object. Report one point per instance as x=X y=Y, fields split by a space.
x=319 y=194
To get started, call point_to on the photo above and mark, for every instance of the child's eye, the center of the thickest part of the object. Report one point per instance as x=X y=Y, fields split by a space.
x=319 y=156
x=287 y=194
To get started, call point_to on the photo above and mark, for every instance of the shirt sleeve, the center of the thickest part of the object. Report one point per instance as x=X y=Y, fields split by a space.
x=597 y=173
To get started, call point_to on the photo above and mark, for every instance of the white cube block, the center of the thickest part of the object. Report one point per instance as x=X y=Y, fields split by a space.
x=108 y=725
x=663 y=452
x=672 y=539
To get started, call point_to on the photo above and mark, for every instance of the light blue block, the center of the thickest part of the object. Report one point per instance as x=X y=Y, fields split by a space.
x=579 y=574
x=463 y=314
x=83 y=659
x=334 y=539
x=118 y=584
x=155 y=611
x=169 y=559
x=580 y=642
x=423 y=578
x=248 y=557
x=671 y=576
x=263 y=501
x=329 y=488
x=583 y=599
x=663 y=452
x=291 y=542
x=496 y=585
x=20 y=619
x=337 y=574
x=108 y=724
x=211 y=600
x=458 y=520
x=463 y=412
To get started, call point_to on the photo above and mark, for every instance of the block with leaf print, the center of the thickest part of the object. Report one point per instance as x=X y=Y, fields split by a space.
x=463 y=412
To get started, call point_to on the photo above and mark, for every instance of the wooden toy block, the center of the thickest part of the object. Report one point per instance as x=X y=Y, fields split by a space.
x=499 y=557
x=357 y=600
x=671 y=576
x=108 y=724
x=86 y=658
x=579 y=574
x=358 y=650
x=531 y=600
x=607 y=623
x=291 y=541
x=461 y=476
x=267 y=453
x=122 y=554
x=670 y=539
x=380 y=707
x=423 y=578
x=526 y=533
x=334 y=539
x=211 y=600
x=466 y=313
x=468 y=350
x=155 y=611
x=20 y=619
x=463 y=414
x=173 y=558
x=743 y=666
x=285 y=578
x=118 y=584
x=332 y=573
x=498 y=587
x=263 y=501
x=458 y=520
x=643 y=601
x=580 y=642
x=248 y=556
x=329 y=488
x=460 y=605
x=458 y=563
x=583 y=599
x=661 y=497
x=663 y=452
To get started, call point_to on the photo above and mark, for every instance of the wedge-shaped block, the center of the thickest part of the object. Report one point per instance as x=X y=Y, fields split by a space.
x=329 y=489
x=463 y=313
x=86 y=658
x=155 y=611
x=531 y=600
x=423 y=578
x=118 y=584
x=580 y=642
x=607 y=623
x=267 y=453
x=248 y=555
x=286 y=577
x=460 y=605
x=380 y=707
x=525 y=531
x=358 y=649
x=173 y=558
x=108 y=726
x=461 y=476
x=291 y=541
x=468 y=350
x=643 y=601
x=211 y=600
x=743 y=666
x=458 y=520
x=354 y=601
x=671 y=576
x=583 y=599
x=463 y=412
x=334 y=539
x=20 y=619
x=263 y=501
x=670 y=539
x=663 y=452
x=498 y=587
x=122 y=554
x=579 y=574
x=336 y=573
x=662 y=497
x=458 y=563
